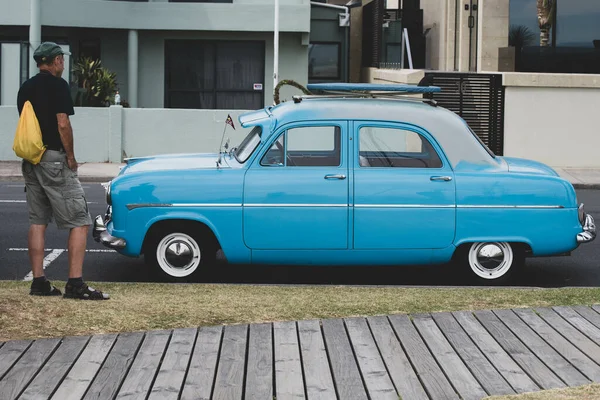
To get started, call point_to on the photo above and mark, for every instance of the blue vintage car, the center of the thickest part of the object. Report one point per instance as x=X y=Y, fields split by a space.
x=345 y=178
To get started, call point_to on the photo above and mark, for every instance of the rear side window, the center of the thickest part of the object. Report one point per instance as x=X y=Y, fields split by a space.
x=395 y=148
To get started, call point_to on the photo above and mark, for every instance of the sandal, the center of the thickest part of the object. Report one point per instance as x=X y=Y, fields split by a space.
x=84 y=292
x=44 y=289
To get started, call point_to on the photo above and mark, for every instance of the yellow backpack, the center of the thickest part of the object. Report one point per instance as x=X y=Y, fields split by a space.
x=28 y=142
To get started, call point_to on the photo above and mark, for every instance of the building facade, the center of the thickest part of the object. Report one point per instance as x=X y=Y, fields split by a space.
x=209 y=54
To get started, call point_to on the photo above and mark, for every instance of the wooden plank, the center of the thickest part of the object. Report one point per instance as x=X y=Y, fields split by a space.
x=559 y=365
x=569 y=332
x=317 y=374
x=346 y=376
x=83 y=372
x=401 y=372
x=53 y=372
x=457 y=372
x=289 y=382
x=229 y=383
x=259 y=370
x=17 y=379
x=10 y=353
x=171 y=375
x=203 y=366
x=510 y=370
x=378 y=382
x=115 y=367
x=583 y=325
x=589 y=314
x=143 y=370
x=491 y=380
x=541 y=374
x=434 y=380
x=560 y=344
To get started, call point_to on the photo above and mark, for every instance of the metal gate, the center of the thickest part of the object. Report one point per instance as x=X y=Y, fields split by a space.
x=477 y=98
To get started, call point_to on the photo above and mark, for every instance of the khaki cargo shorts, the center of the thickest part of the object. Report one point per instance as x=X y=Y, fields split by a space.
x=55 y=193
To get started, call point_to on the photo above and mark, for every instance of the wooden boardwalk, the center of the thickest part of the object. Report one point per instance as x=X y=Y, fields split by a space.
x=424 y=356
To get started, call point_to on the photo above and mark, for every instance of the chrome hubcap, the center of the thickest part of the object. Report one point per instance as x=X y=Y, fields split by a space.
x=490 y=260
x=178 y=255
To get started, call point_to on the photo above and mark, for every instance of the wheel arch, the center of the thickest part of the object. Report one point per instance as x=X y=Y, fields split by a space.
x=206 y=229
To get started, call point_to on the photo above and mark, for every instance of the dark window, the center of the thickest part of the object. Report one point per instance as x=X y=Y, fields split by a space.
x=393 y=147
x=90 y=48
x=214 y=74
x=324 y=61
x=309 y=146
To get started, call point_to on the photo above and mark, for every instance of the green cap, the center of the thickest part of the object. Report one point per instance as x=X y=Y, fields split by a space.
x=48 y=50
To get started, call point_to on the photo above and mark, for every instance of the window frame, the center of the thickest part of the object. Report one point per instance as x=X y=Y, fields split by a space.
x=215 y=92
x=312 y=78
x=338 y=146
x=424 y=135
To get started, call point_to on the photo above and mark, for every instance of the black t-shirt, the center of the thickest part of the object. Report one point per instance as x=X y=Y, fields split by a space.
x=49 y=95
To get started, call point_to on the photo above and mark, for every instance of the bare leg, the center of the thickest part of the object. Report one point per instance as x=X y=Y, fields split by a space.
x=36 y=249
x=77 y=245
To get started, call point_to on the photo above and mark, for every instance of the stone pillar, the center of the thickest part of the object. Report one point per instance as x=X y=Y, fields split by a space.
x=492 y=32
x=35 y=34
x=132 y=68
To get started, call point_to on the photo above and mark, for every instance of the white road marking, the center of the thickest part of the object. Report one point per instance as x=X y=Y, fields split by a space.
x=47 y=261
x=61 y=250
x=25 y=201
x=22 y=186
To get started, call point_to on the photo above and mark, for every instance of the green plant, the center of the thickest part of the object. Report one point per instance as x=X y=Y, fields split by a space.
x=97 y=84
x=520 y=36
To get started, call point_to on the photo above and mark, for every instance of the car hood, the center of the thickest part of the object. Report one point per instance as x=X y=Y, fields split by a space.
x=174 y=162
x=522 y=165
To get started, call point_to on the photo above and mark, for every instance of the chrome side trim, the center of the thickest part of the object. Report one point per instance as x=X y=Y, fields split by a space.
x=294 y=205
x=404 y=205
x=507 y=206
x=146 y=205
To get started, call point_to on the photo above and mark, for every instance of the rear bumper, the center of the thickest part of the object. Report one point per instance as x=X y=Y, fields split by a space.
x=589 y=230
x=101 y=235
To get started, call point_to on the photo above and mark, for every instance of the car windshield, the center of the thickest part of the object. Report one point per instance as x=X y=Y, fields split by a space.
x=248 y=145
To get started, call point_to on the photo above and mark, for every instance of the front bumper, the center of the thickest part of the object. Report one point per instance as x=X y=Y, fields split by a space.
x=589 y=230
x=101 y=235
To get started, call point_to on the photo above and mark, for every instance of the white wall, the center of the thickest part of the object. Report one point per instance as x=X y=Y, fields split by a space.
x=161 y=131
x=90 y=130
x=9 y=117
x=10 y=73
x=557 y=126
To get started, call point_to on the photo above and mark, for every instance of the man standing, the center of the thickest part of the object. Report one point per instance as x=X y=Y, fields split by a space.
x=52 y=186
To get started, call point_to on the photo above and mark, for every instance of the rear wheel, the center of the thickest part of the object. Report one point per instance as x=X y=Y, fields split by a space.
x=492 y=263
x=179 y=254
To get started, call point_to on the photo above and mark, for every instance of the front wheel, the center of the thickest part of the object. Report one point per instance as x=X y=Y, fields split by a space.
x=178 y=256
x=492 y=263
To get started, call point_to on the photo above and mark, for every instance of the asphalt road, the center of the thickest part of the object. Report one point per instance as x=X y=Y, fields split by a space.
x=582 y=268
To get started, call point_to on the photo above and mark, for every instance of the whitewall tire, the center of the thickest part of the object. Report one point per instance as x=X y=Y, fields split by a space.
x=492 y=263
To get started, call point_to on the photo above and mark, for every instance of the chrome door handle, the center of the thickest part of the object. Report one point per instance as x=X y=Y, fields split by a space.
x=335 y=176
x=441 y=178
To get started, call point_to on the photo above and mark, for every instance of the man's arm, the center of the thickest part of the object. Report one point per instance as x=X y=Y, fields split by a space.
x=66 y=136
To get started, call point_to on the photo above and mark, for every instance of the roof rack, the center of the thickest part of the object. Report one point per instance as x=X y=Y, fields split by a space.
x=368 y=90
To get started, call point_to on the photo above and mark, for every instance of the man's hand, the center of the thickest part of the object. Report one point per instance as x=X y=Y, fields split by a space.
x=72 y=163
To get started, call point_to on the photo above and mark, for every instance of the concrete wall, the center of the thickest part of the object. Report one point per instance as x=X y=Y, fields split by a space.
x=151 y=131
x=10 y=69
x=553 y=118
x=241 y=15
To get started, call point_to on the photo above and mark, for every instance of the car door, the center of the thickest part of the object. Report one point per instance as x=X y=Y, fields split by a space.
x=296 y=193
x=404 y=191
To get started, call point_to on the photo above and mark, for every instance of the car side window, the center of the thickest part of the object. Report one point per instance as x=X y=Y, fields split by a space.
x=307 y=146
x=395 y=148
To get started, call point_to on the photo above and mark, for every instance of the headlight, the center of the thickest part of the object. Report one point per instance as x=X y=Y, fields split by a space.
x=107 y=189
x=581 y=214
